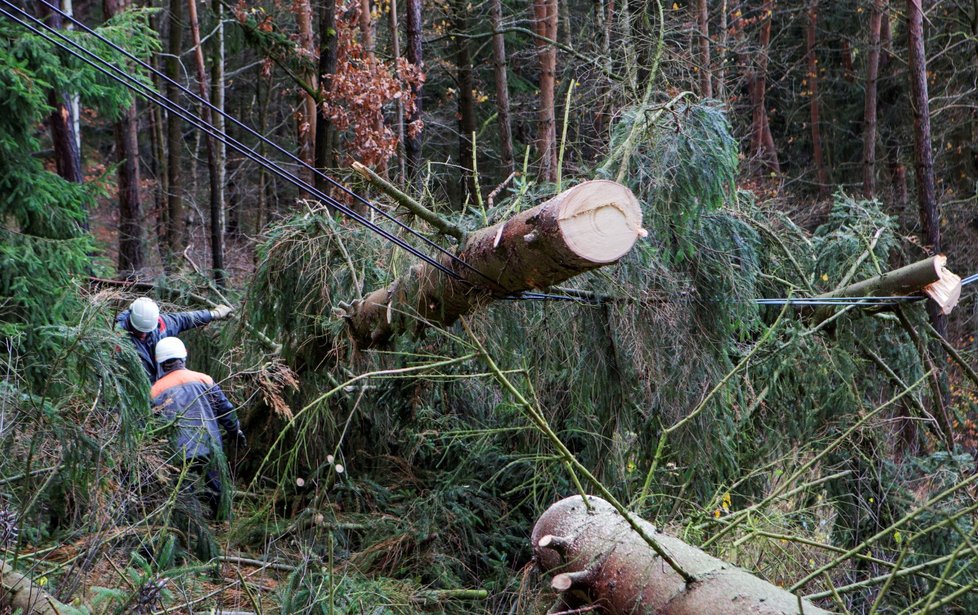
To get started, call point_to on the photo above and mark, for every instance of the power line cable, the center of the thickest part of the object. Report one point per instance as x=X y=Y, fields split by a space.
x=140 y=88
x=200 y=100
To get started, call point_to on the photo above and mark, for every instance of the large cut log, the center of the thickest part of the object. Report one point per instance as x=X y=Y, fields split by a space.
x=592 y=224
x=18 y=592
x=597 y=558
x=929 y=276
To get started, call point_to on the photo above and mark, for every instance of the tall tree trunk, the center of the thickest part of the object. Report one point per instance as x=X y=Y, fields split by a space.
x=762 y=149
x=219 y=207
x=822 y=175
x=502 y=87
x=396 y=50
x=545 y=25
x=262 y=98
x=412 y=144
x=74 y=101
x=131 y=254
x=923 y=153
x=703 y=23
x=176 y=228
x=216 y=187
x=869 y=104
x=721 y=73
x=466 y=98
x=67 y=158
x=325 y=152
x=306 y=124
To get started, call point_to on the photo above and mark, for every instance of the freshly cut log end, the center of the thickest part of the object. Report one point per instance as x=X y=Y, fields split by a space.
x=947 y=289
x=600 y=221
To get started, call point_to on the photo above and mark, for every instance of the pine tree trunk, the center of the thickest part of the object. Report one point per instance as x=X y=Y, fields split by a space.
x=923 y=153
x=869 y=104
x=721 y=72
x=396 y=50
x=822 y=175
x=415 y=36
x=131 y=254
x=545 y=25
x=176 y=228
x=307 y=119
x=214 y=174
x=466 y=99
x=592 y=224
x=220 y=151
x=762 y=149
x=703 y=23
x=325 y=151
x=67 y=158
x=502 y=88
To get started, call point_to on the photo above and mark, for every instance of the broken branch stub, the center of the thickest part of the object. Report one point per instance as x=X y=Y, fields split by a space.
x=590 y=225
x=597 y=558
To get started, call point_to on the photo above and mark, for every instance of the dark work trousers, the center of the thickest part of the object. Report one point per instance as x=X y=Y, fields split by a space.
x=200 y=469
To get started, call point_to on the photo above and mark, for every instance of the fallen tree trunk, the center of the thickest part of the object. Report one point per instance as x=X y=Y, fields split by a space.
x=929 y=276
x=597 y=558
x=592 y=224
x=17 y=591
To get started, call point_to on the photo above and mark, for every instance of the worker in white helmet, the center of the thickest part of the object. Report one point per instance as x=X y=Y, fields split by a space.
x=196 y=406
x=146 y=327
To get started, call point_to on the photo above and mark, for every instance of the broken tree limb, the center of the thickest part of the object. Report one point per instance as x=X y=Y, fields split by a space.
x=407 y=202
x=604 y=561
x=929 y=276
x=593 y=224
x=21 y=594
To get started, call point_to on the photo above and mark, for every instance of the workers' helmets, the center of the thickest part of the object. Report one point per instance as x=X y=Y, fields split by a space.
x=170 y=348
x=144 y=315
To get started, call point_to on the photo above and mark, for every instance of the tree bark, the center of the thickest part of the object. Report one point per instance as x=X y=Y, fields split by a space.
x=869 y=104
x=214 y=173
x=811 y=31
x=396 y=50
x=176 y=228
x=131 y=253
x=721 y=72
x=703 y=24
x=20 y=594
x=466 y=98
x=67 y=158
x=763 y=151
x=306 y=126
x=415 y=36
x=599 y=559
x=545 y=25
x=592 y=224
x=502 y=88
x=325 y=150
x=923 y=152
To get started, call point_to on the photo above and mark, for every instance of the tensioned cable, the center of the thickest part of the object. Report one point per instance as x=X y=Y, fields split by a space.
x=149 y=93
x=133 y=84
x=194 y=96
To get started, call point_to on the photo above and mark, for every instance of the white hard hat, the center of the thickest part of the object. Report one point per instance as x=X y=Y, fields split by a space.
x=170 y=348
x=144 y=314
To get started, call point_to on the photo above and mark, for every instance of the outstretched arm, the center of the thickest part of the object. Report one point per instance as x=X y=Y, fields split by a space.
x=181 y=321
x=223 y=410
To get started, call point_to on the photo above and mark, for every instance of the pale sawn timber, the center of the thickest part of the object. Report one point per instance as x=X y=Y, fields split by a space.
x=590 y=225
x=929 y=276
x=597 y=558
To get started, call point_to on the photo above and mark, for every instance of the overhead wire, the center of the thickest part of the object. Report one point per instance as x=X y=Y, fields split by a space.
x=133 y=83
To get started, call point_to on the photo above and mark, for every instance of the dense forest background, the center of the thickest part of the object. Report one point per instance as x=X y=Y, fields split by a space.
x=777 y=150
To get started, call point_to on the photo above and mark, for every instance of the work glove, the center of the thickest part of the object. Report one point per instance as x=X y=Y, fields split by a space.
x=240 y=441
x=221 y=312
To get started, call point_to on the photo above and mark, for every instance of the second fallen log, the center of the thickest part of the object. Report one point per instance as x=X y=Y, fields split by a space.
x=590 y=225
